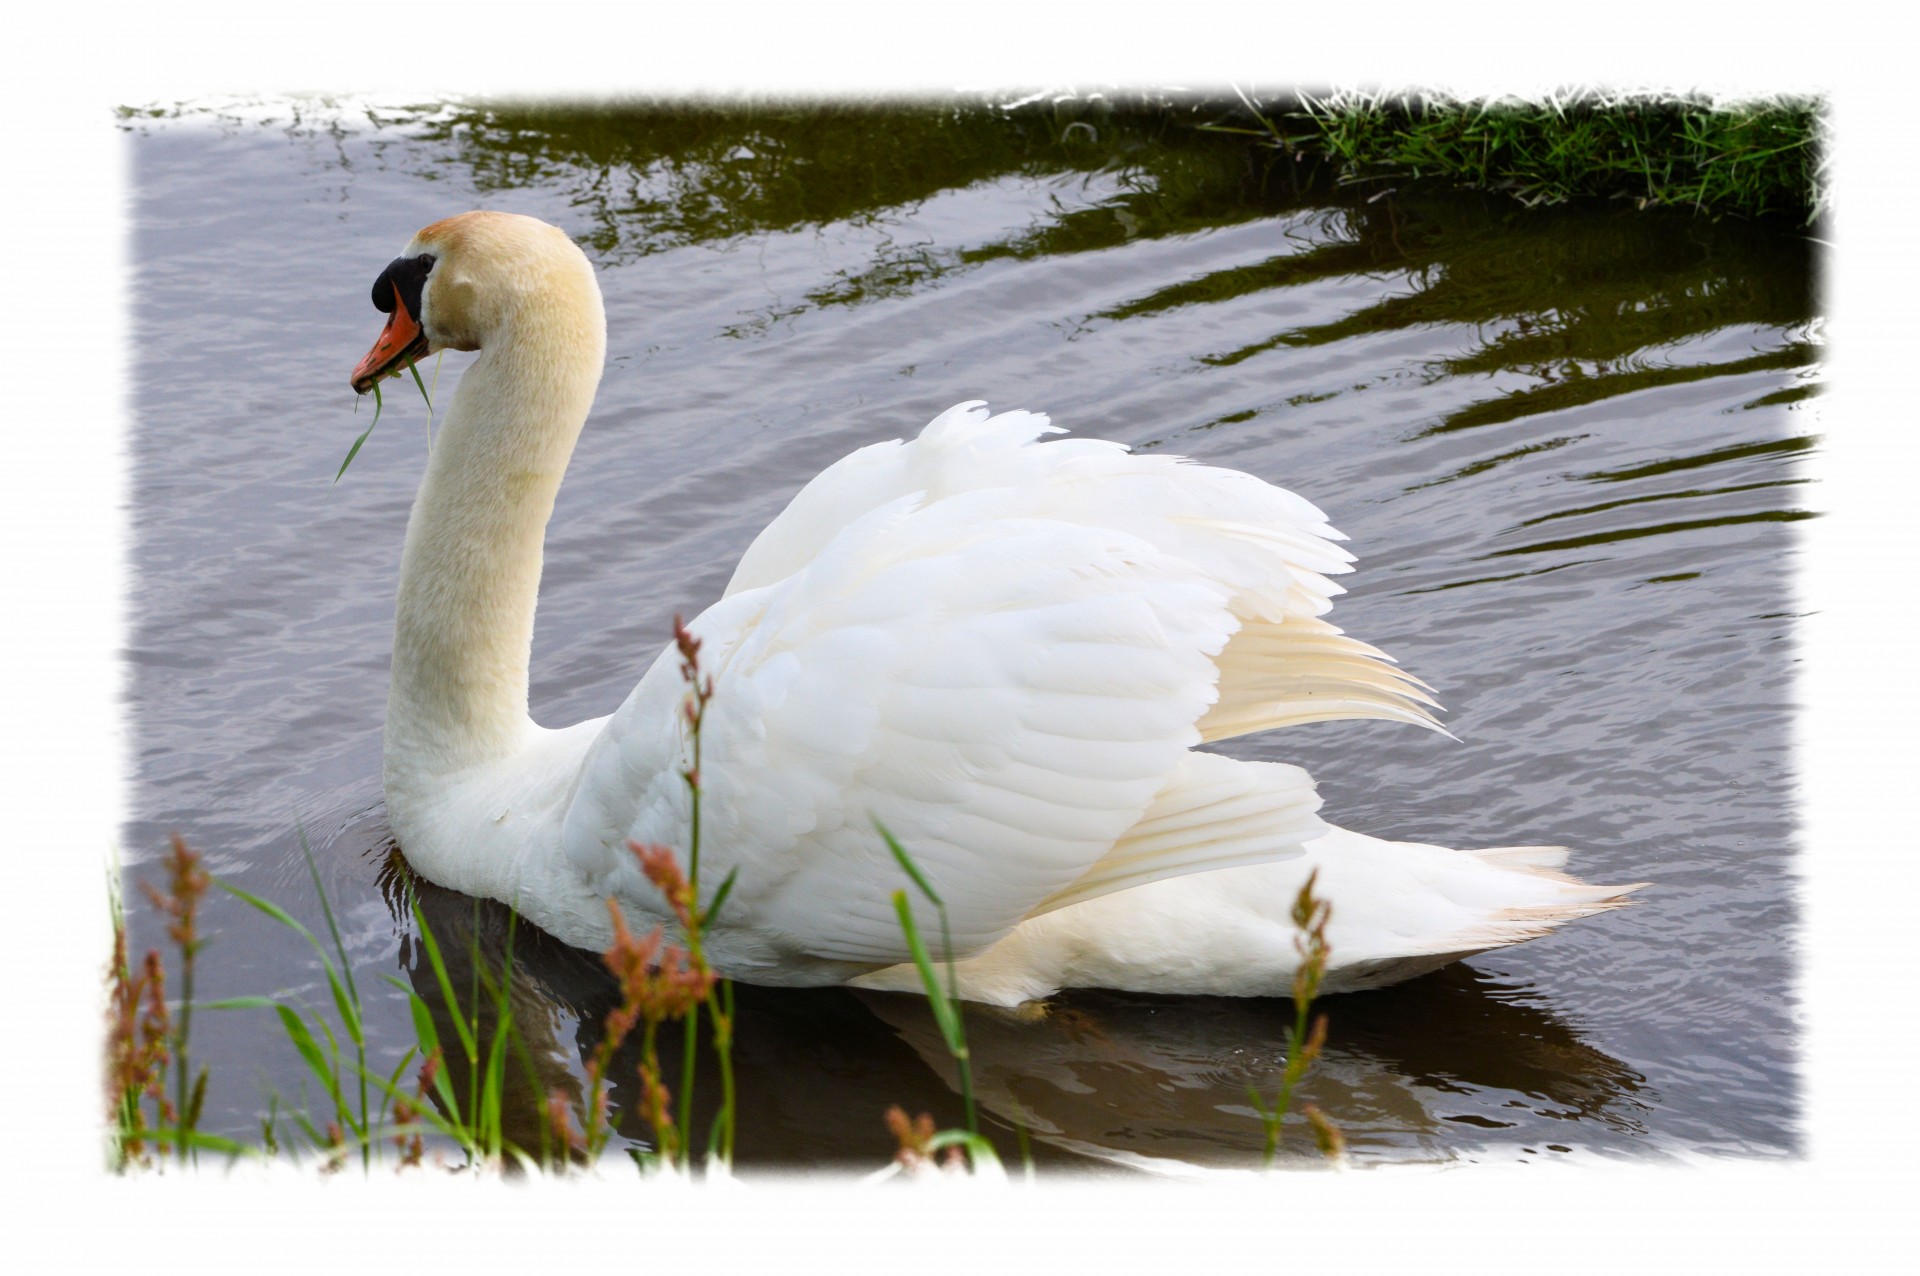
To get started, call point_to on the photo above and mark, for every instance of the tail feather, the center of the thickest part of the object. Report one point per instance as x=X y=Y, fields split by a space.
x=1535 y=857
x=1567 y=899
x=1276 y=673
x=1401 y=908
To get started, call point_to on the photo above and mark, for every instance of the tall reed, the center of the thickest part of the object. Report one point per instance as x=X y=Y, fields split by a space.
x=918 y=1138
x=148 y=1037
x=1309 y=915
x=661 y=982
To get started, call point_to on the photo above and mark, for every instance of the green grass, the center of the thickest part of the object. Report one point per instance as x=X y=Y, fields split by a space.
x=377 y=403
x=945 y=1004
x=1752 y=159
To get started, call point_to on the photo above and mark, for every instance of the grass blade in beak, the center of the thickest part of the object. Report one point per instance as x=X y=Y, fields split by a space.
x=355 y=449
x=415 y=369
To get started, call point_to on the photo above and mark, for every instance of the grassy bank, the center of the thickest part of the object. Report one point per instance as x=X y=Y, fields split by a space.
x=1750 y=159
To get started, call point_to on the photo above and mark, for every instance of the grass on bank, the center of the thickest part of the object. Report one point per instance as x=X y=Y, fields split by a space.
x=1755 y=158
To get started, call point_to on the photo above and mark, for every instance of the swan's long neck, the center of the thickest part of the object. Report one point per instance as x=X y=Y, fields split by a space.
x=470 y=573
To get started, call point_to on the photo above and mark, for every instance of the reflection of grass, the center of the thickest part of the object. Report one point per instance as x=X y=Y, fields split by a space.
x=1607 y=383
x=1785 y=448
x=1618 y=534
x=1484 y=464
x=1571 y=299
x=1618 y=285
x=1582 y=511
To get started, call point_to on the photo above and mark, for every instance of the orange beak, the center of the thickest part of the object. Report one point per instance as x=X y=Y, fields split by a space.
x=401 y=342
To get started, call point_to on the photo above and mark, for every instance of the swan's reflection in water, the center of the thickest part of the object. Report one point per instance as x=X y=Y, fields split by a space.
x=1432 y=1069
x=1412 y=1072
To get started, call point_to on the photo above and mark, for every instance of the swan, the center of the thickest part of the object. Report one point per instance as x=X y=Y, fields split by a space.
x=1004 y=649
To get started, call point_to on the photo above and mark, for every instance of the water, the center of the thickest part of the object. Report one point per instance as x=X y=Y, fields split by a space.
x=1567 y=446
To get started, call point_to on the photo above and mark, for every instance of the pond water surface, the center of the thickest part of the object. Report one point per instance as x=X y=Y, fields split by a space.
x=1567 y=444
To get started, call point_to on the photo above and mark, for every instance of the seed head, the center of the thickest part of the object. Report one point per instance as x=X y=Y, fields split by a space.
x=914 y=1135
x=663 y=870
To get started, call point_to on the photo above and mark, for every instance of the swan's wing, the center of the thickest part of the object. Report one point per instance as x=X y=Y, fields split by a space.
x=1271 y=549
x=1007 y=695
x=962 y=449
x=1266 y=542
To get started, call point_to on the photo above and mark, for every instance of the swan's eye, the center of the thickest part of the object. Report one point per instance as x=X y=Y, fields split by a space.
x=426 y=261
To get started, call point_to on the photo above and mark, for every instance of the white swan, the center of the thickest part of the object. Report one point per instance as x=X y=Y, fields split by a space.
x=1003 y=649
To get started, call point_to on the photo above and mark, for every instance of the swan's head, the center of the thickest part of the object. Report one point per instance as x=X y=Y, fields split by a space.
x=461 y=282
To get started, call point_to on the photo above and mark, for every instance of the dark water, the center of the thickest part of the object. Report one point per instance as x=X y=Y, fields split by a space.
x=1567 y=445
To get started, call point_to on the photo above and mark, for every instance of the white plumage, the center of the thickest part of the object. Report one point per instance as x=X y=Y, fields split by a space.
x=1002 y=648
